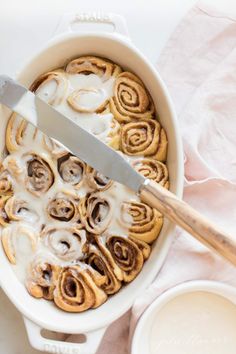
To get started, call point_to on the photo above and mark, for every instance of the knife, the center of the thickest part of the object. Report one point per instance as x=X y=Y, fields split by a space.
x=113 y=165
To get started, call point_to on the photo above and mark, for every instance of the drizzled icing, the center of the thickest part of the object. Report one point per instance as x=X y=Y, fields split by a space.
x=92 y=92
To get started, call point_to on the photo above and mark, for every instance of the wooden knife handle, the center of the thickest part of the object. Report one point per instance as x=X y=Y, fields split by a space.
x=189 y=219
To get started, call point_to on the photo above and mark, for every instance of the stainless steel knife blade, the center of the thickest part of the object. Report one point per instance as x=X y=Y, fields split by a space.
x=61 y=128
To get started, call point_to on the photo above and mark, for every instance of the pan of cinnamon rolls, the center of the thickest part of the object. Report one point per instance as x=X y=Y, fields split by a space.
x=84 y=236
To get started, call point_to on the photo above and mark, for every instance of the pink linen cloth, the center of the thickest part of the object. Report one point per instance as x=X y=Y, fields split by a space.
x=198 y=66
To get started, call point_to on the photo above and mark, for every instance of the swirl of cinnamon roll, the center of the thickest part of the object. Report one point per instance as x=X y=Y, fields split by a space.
x=66 y=243
x=71 y=169
x=95 y=212
x=131 y=100
x=51 y=87
x=40 y=176
x=79 y=100
x=152 y=169
x=14 y=236
x=20 y=210
x=77 y=291
x=145 y=138
x=101 y=260
x=93 y=65
x=96 y=180
x=18 y=133
x=5 y=183
x=42 y=277
x=143 y=222
x=63 y=207
x=129 y=254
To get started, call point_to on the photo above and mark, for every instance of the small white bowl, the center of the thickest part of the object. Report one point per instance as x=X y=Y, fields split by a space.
x=141 y=338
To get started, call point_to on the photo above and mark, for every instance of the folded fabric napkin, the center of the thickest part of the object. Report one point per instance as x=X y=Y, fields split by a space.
x=198 y=65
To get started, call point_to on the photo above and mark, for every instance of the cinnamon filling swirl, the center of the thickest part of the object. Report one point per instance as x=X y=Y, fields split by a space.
x=143 y=222
x=101 y=260
x=131 y=100
x=96 y=213
x=96 y=180
x=152 y=169
x=129 y=254
x=40 y=176
x=71 y=169
x=42 y=278
x=144 y=138
x=76 y=290
x=66 y=243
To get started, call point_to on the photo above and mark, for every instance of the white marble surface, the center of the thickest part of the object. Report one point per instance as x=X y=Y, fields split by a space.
x=25 y=25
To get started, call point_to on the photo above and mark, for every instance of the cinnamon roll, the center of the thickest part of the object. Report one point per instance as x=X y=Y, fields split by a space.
x=66 y=243
x=152 y=169
x=16 y=234
x=71 y=169
x=64 y=207
x=96 y=180
x=101 y=260
x=96 y=213
x=42 y=277
x=79 y=100
x=93 y=65
x=129 y=254
x=51 y=87
x=39 y=175
x=20 y=210
x=143 y=222
x=76 y=290
x=18 y=133
x=145 y=138
x=131 y=100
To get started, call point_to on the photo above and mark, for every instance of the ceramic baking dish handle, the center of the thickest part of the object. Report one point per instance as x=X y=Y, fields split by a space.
x=39 y=342
x=70 y=21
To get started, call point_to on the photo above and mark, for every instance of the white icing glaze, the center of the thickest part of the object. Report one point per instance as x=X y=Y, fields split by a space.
x=198 y=322
x=95 y=92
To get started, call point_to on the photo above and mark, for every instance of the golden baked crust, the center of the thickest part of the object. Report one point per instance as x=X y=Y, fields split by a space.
x=143 y=222
x=129 y=254
x=77 y=291
x=131 y=101
x=152 y=169
x=144 y=138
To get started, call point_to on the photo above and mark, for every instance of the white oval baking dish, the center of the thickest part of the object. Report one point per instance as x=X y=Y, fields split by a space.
x=140 y=342
x=40 y=314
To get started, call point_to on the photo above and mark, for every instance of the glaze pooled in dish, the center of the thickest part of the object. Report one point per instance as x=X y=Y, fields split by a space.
x=72 y=235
